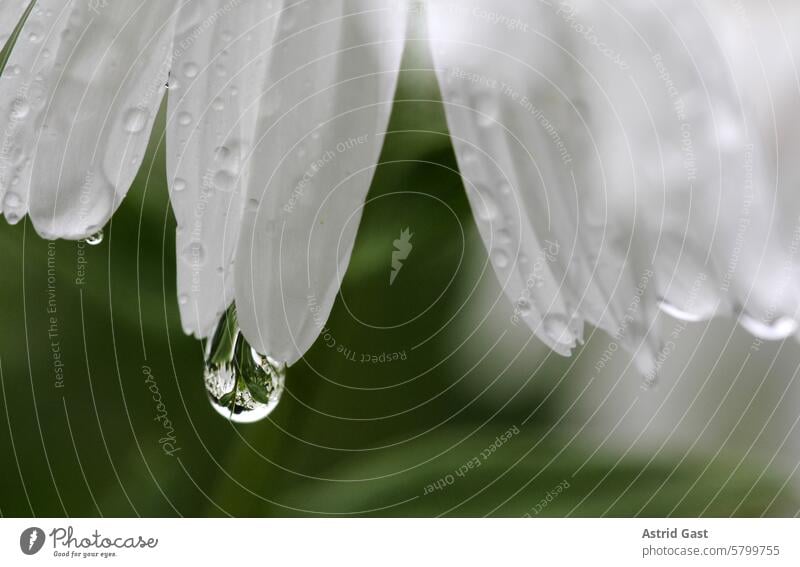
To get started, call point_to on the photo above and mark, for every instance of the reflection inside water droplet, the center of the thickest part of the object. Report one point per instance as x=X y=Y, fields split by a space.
x=242 y=384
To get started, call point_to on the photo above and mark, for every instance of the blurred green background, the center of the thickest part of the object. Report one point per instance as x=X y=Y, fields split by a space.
x=350 y=437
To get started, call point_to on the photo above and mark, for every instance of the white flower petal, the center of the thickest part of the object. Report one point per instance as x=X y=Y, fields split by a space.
x=498 y=66
x=103 y=90
x=23 y=98
x=614 y=135
x=321 y=122
x=10 y=13
x=221 y=54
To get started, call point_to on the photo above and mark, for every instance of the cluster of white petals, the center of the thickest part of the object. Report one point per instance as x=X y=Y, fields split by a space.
x=623 y=158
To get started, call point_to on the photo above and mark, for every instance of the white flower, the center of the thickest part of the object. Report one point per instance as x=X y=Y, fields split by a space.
x=620 y=156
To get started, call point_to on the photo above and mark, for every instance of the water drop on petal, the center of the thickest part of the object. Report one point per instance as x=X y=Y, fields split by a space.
x=500 y=258
x=557 y=328
x=224 y=180
x=488 y=210
x=194 y=254
x=135 y=120
x=184 y=118
x=190 y=70
x=94 y=239
x=11 y=201
x=775 y=330
x=678 y=313
x=19 y=108
x=647 y=365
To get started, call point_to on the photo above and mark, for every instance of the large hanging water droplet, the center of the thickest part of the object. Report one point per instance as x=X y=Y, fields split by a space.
x=94 y=239
x=242 y=385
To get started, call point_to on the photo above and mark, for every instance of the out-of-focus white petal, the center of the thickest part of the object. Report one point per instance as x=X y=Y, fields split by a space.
x=220 y=58
x=764 y=57
x=321 y=121
x=99 y=96
x=609 y=160
x=10 y=13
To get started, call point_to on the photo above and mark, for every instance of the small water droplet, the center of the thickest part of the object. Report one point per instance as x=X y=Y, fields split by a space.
x=224 y=180
x=468 y=157
x=678 y=313
x=243 y=385
x=488 y=210
x=94 y=239
x=190 y=70
x=557 y=328
x=647 y=365
x=135 y=120
x=486 y=109
x=184 y=118
x=179 y=184
x=218 y=104
x=183 y=299
x=11 y=201
x=194 y=254
x=19 y=108
x=500 y=258
x=775 y=330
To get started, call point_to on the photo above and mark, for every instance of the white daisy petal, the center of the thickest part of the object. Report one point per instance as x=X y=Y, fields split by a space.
x=221 y=54
x=614 y=152
x=321 y=121
x=506 y=86
x=103 y=90
x=23 y=98
x=10 y=13
x=764 y=56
